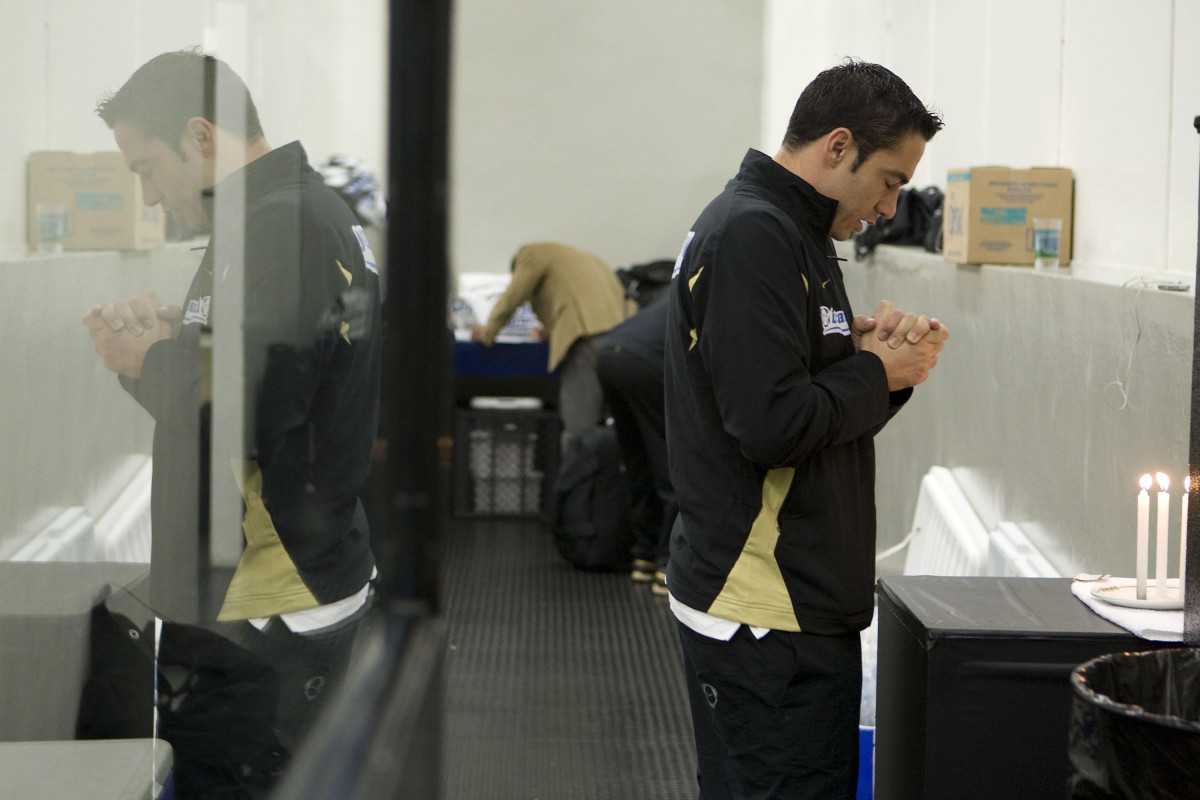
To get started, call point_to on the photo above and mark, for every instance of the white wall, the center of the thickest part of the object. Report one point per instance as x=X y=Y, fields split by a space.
x=317 y=75
x=610 y=125
x=1022 y=406
x=59 y=57
x=604 y=125
x=68 y=428
x=1108 y=88
x=317 y=70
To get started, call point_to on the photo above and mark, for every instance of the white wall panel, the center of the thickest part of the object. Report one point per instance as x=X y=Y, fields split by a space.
x=1185 y=143
x=607 y=126
x=1106 y=87
x=91 y=49
x=802 y=39
x=162 y=27
x=1021 y=405
x=23 y=59
x=860 y=30
x=610 y=125
x=320 y=76
x=1024 y=83
x=1130 y=86
x=910 y=55
x=1116 y=107
x=960 y=77
x=797 y=41
x=62 y=56
x=67 y=424
x=68 y=54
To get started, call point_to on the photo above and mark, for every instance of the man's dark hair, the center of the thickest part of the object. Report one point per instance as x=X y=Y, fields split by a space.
x=869 y=100
x=168 y=90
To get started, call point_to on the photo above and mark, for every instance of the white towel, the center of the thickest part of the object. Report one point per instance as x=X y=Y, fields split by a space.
x=1158 y=626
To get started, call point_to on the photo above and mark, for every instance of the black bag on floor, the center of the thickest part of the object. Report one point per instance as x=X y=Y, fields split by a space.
x=645 y=283
x=216 y=701
x=591 y=524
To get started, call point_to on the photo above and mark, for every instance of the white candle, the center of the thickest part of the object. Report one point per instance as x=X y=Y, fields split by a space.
x=1162 y=535
x=1183 y=528
x=1143 y=535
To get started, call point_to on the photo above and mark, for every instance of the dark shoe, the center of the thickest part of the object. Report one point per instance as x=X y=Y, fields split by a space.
x=643 y=570
x=659 y=587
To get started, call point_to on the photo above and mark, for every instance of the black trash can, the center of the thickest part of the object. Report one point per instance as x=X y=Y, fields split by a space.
x=1135 y=726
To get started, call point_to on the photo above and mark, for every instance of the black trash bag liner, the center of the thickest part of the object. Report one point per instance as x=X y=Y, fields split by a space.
x=216 y=701
x=1135 y=726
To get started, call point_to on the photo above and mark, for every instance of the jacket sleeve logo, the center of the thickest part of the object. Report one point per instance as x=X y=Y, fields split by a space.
x=197 y=311
x=682 y=252
x=368 y=256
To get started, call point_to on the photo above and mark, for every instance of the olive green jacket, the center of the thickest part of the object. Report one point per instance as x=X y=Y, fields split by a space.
x=573 y=294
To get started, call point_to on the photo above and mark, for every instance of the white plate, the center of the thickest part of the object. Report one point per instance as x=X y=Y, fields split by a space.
x=1127 y=596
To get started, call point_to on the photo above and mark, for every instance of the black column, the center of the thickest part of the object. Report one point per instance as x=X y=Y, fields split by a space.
x=416 y=362
x=1191 y=611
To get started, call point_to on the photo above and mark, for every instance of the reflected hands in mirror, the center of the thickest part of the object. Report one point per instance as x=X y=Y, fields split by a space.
x=137 y=314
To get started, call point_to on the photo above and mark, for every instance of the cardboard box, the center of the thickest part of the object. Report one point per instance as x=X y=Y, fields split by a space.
x=103 y=201
x=989 y=212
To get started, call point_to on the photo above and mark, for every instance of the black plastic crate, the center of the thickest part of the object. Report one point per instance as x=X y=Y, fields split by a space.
x=504 y=462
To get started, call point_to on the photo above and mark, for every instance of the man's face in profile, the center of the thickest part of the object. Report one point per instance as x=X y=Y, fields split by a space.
x=168 y=179
x=870 y=190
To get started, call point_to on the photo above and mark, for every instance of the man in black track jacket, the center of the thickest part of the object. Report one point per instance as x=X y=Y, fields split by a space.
x=309 y=326
x=774 y=394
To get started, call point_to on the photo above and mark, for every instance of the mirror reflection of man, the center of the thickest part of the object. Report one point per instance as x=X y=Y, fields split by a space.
x=311 y=372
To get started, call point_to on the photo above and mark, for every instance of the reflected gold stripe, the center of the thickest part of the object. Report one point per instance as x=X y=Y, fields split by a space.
x=266 y=581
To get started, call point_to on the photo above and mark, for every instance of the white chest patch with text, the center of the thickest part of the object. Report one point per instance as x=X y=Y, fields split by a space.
x=833 y=321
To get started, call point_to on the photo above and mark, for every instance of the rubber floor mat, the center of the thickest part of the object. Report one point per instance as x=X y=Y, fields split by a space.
x=558 y=683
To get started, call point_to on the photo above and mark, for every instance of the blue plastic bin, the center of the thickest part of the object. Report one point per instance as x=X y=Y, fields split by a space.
x=866 y=763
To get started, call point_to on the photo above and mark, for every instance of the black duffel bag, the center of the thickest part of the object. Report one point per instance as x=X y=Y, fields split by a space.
x=591 y=521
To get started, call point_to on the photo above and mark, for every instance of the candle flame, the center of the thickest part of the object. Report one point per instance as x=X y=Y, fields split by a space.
x=1187 y=484
x=1164 y=482
x=1145 y=482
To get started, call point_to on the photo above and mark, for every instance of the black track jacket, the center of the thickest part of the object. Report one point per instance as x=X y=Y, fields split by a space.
x=311 y=378
x=771 y=414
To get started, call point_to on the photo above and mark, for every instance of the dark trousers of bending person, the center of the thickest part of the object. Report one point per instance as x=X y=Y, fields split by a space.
x=630 y=367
